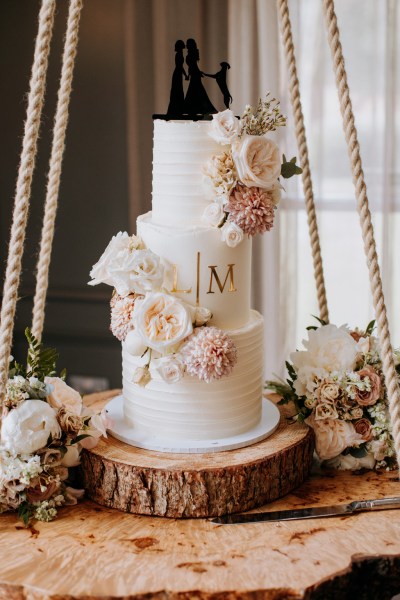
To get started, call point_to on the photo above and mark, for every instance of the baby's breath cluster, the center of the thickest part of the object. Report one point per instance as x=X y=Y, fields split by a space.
x=265 y=116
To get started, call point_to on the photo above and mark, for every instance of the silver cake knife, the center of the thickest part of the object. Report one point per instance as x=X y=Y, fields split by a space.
x=310 y=513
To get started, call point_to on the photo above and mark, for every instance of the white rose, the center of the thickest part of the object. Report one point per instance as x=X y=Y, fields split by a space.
x=144 y=272
x=97 y=428
x=257 y=161
x=118 y=250
x=332 y=436
x=213 y=214
x=62 y=395
x=170 y=368
x=134 y=344
x=72 y=457
x=162 y=320
x=328 y=348
x=27 y=428
x=201 y=316
x=224 y=127
x=348 y=462
x=232 y=234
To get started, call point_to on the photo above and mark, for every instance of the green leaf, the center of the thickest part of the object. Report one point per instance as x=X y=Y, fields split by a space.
x=370 y=327
x=321 y=321
x=359 y=452
x=25 y=512
x=289 y=168
x=41 y=360
x=80 y=437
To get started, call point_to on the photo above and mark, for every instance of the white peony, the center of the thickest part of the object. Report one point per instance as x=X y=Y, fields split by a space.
x=347 y=462
x=134 y=344
x=170 y=368
x=162 y=320
x=62 y=395
x=257 y=161
x=224 y=127
x=116 y=255
x=232 y=234
x=213 y=214
x=328 y=348
x=27 y=428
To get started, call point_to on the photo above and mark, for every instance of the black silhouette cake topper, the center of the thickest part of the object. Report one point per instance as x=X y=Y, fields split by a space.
x=196 y=103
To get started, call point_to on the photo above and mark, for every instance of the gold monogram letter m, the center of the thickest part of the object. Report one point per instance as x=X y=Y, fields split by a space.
x=221 y=286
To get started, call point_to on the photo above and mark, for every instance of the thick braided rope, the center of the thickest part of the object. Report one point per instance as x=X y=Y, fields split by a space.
x=24 y=181
x=287 y=39
x=54 y=176
x=388 y=366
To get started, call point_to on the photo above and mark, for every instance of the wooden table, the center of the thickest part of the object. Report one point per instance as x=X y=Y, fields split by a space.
x=91 y=552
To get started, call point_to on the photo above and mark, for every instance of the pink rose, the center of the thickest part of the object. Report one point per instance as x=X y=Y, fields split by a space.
x=363 y=427
x=369 y=397
x=332 y=436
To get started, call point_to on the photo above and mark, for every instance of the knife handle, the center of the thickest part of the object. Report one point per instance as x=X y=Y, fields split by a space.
x=377 y=504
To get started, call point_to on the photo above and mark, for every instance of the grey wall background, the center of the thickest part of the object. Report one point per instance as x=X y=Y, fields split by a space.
x=106 y=178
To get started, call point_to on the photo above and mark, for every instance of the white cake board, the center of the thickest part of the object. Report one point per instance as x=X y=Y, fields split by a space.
x=268 y=423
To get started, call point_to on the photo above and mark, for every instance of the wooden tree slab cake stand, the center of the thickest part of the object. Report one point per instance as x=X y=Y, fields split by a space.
x=145 y=482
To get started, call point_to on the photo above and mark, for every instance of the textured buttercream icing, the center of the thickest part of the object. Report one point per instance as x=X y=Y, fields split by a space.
x=181 y=148
x=194 y=257
x=193 y=410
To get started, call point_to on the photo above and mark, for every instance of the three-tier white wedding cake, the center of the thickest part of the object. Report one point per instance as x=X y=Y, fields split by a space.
x=192 y=347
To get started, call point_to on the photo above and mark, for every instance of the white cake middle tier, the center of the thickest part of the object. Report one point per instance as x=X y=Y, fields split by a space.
x=194 y=410
x=202 y=270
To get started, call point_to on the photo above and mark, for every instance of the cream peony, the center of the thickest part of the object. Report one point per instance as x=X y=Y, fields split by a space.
x=257 y=161
x=162 y=320
x=63 y=396
x=332 y=436
x=213 y=214
x=170 y=368
x=224 y=127
x=328 y=348
x=134 y=344
x=231 y=234
x=27 y=428
x=117 y=255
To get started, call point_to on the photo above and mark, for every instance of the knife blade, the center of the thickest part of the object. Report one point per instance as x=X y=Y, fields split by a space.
x=310 y=513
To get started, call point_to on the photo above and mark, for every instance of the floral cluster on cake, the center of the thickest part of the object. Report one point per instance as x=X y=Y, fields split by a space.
x=44 y=427
x=243 y=179
x=170 y=336
x=338 y=389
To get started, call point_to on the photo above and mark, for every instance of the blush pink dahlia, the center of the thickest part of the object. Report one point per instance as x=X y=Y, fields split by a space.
x=252 y=209
x=121 y=315
x=209 y=354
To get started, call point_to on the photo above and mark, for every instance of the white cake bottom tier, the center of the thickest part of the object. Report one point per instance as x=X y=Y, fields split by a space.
x=194 y=410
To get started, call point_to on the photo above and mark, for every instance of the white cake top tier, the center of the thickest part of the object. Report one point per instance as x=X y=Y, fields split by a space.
x=180 y=151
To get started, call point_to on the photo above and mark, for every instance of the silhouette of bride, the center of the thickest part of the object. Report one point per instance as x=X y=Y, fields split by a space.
x=196 y=100
x=176 y=99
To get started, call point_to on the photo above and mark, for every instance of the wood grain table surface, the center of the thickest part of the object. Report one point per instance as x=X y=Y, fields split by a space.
x=92 y=553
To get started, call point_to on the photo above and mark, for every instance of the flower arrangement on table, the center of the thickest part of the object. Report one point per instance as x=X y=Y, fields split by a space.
x=337 y=387
x=244 y=179
x=44 y=427
x=170 y=336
